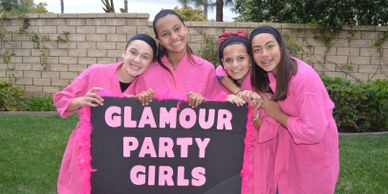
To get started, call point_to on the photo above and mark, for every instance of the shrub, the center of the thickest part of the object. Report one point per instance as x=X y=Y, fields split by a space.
x=10 y=97
x=39 y=103
x=359 y=108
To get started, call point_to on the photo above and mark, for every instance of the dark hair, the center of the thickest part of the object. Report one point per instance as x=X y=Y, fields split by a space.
x=161 y=50
x=147 y=39
x=286 y=68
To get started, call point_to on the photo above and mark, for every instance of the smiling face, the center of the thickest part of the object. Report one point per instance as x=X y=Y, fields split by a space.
x=137 y=57
x=172 y=33
x=266 y=52
x=236 y=61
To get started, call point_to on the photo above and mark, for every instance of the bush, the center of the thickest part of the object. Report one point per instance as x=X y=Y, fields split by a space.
x=39 y=103
x=10 y=97
x=359 y=108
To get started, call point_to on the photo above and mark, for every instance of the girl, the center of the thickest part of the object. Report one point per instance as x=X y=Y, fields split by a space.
x=178 y=72
x=116 y=79
x=235 y=60
x=307 y=155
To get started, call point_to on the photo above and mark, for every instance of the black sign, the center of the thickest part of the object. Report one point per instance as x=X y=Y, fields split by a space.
x=167 y=147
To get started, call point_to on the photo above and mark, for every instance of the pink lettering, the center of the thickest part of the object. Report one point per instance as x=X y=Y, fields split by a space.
x=168 y=117
x=198 y=174
x=190 y=113
x=184 y=142
x=147 y=118
x=113 y=116
x=129 y=144
x=165 y=147
x=138 y=175
x=147 y=148
x=202 y=118
x=224 y=119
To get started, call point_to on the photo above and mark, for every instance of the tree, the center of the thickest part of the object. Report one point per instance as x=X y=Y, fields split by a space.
x=62 y=7
x=22 y=6
x=125 y=9
x=328 y=15
x=219 y=4
x=108 y=6
x=190 y=14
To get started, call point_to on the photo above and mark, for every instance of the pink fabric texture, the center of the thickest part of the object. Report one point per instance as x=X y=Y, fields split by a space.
x=74 y=174
x=307 y=159
x=260 y=148
x=195 y=76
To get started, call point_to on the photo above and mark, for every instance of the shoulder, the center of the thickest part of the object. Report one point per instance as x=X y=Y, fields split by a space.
x=306 y=77
x=202 y=62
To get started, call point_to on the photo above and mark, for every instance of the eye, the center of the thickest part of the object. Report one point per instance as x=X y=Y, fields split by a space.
x=228 y=60
x=133 y=52
x=146 y=57
x=270 y=46
x=164 y=35
x=256 y=50
x=241 y=58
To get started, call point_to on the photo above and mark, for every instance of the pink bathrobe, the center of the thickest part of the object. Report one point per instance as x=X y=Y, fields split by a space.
x=307 y=159
x=70 y=180
x=187 y=76
x=262 y=154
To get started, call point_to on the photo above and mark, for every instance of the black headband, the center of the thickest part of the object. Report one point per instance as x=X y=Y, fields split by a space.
x=230 y=40
x=148 y=39
x=266 y=29
x=161 y=14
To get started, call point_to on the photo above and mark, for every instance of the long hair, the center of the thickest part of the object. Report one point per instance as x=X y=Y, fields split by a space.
x=161 y=49
x=286 y=69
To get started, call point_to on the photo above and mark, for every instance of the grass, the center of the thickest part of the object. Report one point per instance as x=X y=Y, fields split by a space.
x=31 y=149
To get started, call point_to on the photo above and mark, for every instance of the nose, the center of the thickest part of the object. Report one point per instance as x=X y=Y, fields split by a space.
x=137 y=58
x=265 y=52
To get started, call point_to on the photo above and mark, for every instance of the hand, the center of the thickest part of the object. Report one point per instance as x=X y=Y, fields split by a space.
x=145 y=97
x=194 y=99
x=238 y=101
x=255 y=100
x=91 y=98
x=273 y=109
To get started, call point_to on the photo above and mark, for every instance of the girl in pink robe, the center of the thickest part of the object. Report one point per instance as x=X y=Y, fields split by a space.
x=235 y=68
x=115 y=79
x=307 y=159
x=178 y=73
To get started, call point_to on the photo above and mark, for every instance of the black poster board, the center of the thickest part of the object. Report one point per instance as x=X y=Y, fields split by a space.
x=166 y=147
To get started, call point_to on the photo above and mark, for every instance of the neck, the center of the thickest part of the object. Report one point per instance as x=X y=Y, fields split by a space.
x=124 y=76
x=175 y=58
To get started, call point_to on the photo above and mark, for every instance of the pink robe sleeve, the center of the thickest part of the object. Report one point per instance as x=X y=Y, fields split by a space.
x=309 y=126
x=77 y=88
x=268 y=129
x=220 y=71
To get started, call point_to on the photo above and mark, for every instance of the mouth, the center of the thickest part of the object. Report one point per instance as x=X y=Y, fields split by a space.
x=135 y=67
x=236 y=70
x=266 y=63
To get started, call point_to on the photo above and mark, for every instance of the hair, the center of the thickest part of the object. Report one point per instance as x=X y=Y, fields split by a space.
x=230 y=38
x=147 y=39
x=286 y=69
x=161 y=50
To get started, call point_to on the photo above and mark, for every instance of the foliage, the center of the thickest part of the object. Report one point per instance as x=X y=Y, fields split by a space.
x=39 y=103
x=22 y=6
x=190 y=14
x=109 y=7
x=10 y=97
x=359 y=108
x=209 y=50
x=332 y=14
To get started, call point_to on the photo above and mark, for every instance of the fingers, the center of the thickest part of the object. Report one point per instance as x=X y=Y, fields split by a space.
x=235 y=100
x=195 y=99
x=92 y=99
x=145 y=97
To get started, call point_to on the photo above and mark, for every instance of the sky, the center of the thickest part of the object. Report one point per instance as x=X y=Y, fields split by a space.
x=151 y=7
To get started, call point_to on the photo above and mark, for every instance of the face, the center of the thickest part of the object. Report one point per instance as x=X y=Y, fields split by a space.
x=137 y=57
x=236 y=61
x=172 y=34
x=266 y=52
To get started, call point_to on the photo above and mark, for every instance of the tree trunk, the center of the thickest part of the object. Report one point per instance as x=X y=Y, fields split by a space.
x=62 y=7
x=126 y=5
x=205 y=5
x=219 y=10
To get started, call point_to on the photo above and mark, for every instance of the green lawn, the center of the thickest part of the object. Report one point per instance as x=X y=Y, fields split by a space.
x=31 y=149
